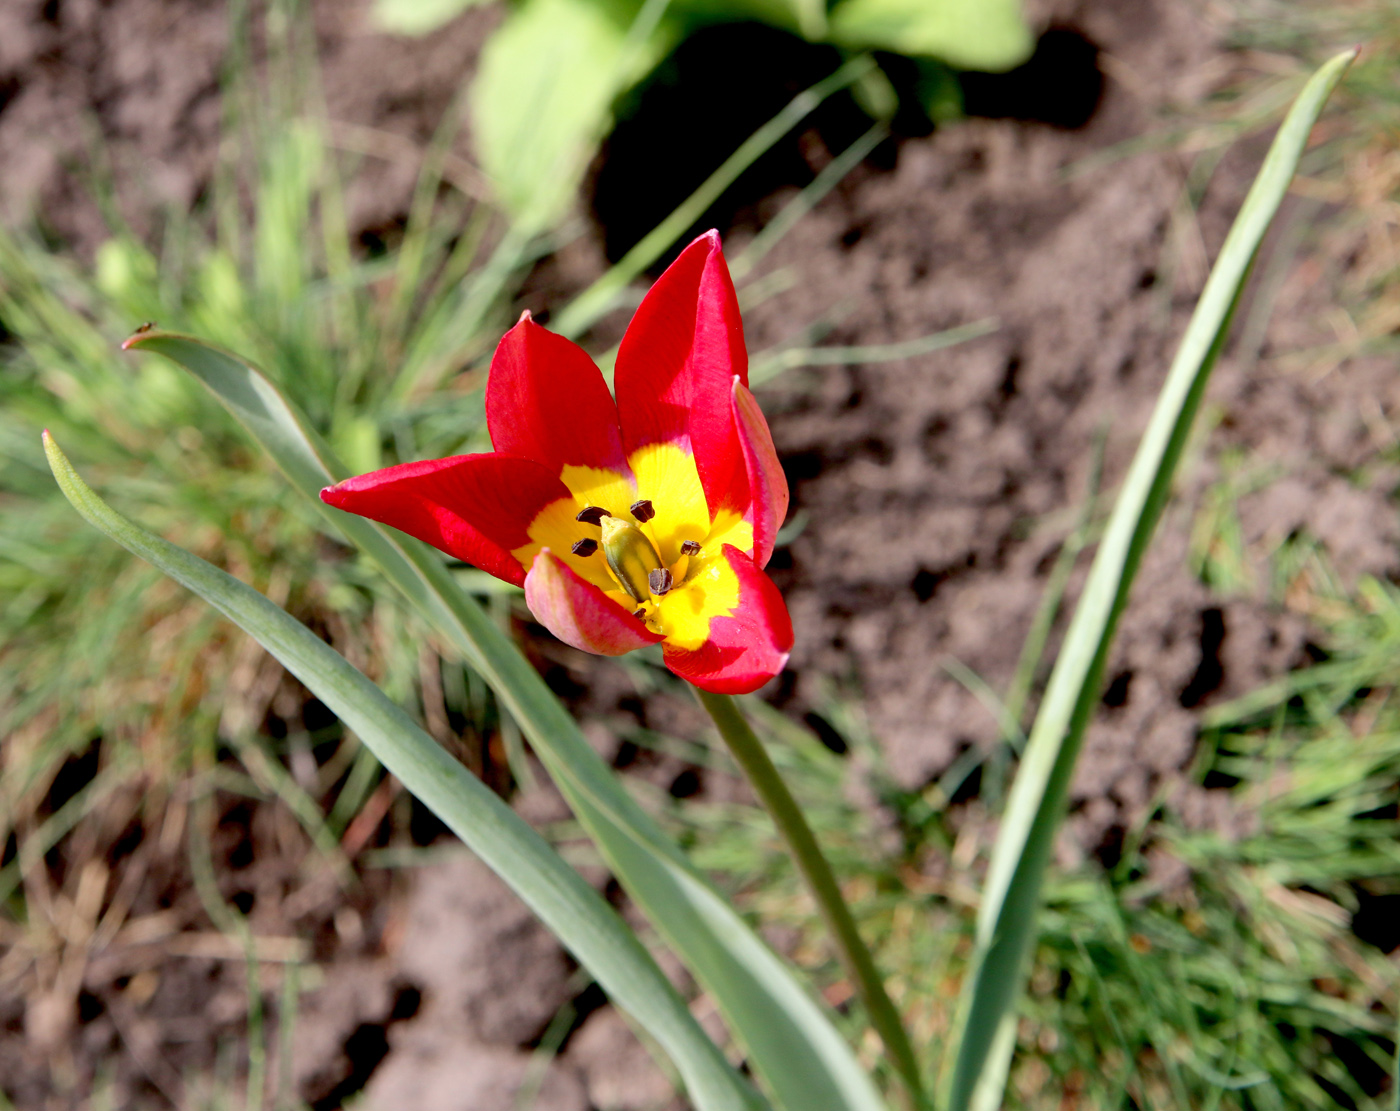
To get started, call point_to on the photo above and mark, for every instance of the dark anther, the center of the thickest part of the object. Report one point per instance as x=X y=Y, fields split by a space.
x=639 y=613
x=592 y=515
x=585 y=547
x=659 y=581
x=691 y=547
x=643 y=511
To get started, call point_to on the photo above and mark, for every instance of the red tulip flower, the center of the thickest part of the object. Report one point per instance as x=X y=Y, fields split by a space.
x=645 y=521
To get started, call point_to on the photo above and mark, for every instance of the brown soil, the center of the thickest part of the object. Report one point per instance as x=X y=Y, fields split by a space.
x=936 y=492
x=138 y=81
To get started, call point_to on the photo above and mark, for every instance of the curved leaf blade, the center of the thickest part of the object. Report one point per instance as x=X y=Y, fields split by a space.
x=1006 y=919
x=792 y=1044
x=576 y=914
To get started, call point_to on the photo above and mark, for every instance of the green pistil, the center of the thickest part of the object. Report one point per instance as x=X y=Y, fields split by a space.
x=631 y=557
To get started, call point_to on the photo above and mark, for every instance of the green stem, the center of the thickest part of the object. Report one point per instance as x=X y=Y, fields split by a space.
x=751 y=756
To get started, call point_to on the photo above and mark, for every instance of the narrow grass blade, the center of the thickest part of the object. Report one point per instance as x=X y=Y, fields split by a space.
x=791 y=1042
x=770 y=364
x=1395 y=1075
x=1007 y=916
x=830 y=176
x=577 y=914
x=598 y=298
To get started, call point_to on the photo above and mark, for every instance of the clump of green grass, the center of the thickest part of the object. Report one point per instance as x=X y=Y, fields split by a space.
x=91 y=646
x=1354 y=166
x=1202 y=969
x=124 y=703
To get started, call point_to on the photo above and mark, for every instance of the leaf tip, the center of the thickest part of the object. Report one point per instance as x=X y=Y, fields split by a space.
x=53 y=453
x=144 y=331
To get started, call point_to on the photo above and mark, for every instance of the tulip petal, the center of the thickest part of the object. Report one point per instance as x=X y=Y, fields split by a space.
x=546 y=401
x=580 y=614
x=768 y=488
x=475 y=507
x=681 y=352
x=747 y=647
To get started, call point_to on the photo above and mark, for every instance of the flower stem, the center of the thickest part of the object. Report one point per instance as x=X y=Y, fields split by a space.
x=751 y=756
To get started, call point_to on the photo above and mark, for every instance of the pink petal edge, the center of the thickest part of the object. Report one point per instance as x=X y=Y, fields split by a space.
x=580 y=614
x=768 y=488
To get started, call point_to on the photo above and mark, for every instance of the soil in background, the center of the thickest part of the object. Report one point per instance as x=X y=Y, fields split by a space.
x=935 y=493
x=937 y=490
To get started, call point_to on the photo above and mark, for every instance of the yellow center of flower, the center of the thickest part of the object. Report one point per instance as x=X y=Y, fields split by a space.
x=628 y=549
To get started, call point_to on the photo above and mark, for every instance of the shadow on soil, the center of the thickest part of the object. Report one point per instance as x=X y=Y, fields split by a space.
x=725 y=82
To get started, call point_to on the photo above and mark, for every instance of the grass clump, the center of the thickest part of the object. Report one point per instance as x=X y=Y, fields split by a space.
x=1238 y=963
x=134 y=719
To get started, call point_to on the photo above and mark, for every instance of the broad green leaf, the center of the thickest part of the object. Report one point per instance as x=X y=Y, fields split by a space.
x=791 y=1042
x=968 y=34
x=417 y=17
x=577 y=914
x=542 y=100
x=1007 y=917
x=802 y=17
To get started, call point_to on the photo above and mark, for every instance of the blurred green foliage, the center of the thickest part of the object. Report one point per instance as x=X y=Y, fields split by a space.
x=552 y=72
x=95 y=647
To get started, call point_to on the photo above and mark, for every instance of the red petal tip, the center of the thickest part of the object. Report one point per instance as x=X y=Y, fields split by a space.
x=524 y=316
